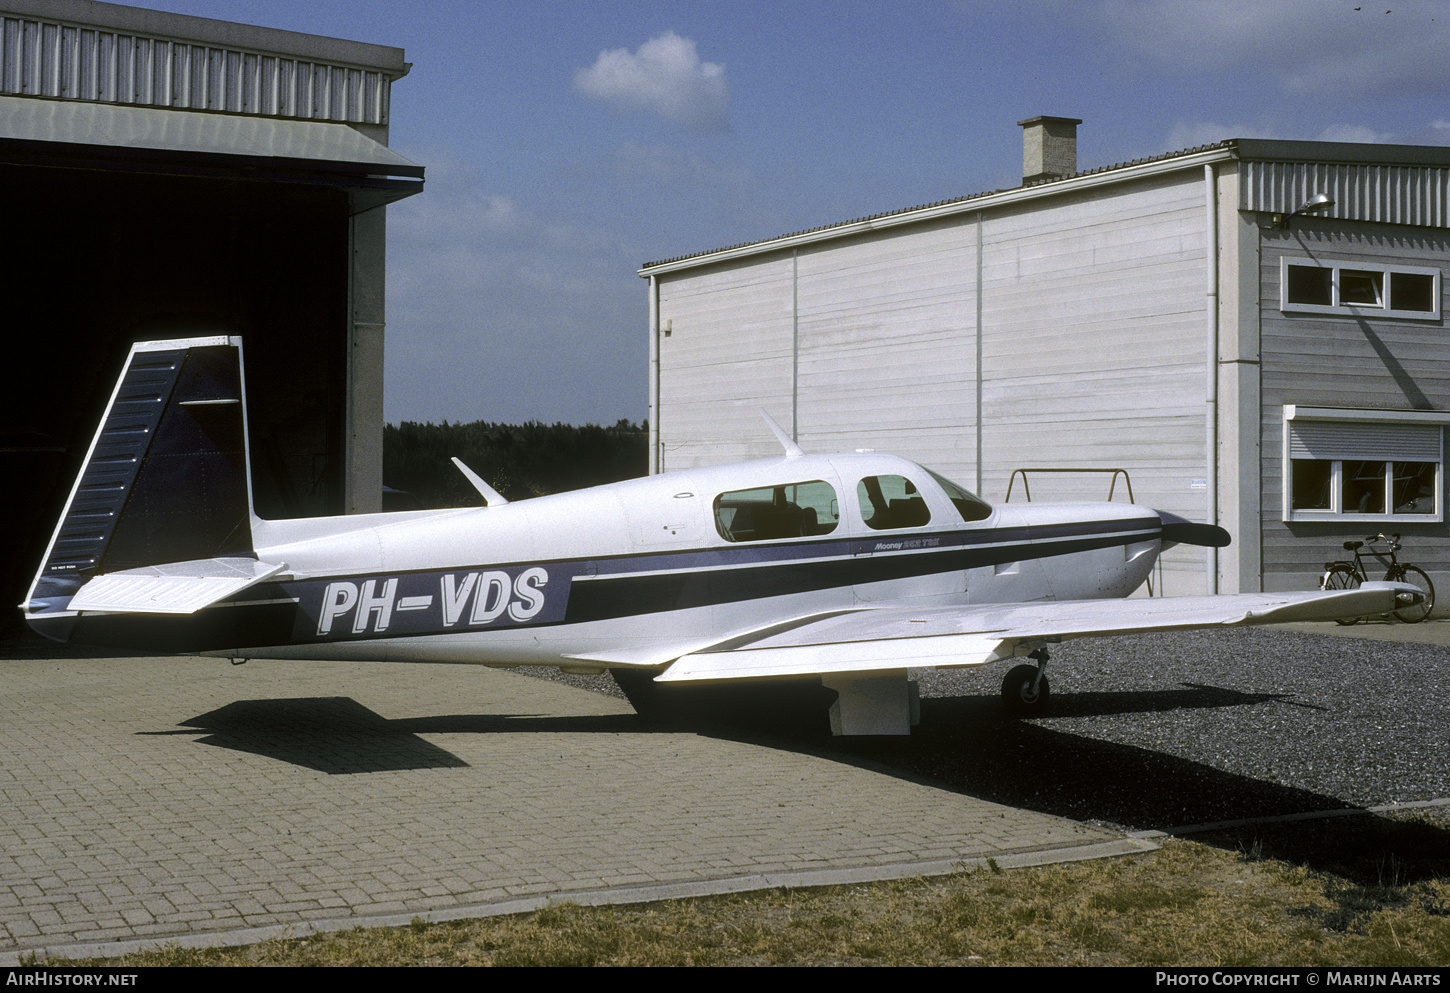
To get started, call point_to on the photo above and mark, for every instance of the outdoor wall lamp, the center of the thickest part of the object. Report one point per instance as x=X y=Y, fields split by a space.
x=1319 y=201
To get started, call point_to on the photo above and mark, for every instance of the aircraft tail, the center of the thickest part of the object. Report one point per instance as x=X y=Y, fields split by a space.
x=160 y=518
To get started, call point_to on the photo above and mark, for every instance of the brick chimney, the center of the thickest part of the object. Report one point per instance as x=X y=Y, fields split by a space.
x=1049 y=148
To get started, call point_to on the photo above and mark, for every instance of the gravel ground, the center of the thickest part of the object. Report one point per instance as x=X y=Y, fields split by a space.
x=1167 y=730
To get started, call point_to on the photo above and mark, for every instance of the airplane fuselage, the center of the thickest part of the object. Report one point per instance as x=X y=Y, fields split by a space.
x=611 y=571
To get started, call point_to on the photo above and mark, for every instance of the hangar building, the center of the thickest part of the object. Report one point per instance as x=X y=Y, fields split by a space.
x=169 y=175
x=1280 y=371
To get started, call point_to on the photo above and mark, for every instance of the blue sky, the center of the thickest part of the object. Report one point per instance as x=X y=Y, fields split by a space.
x=568 y=143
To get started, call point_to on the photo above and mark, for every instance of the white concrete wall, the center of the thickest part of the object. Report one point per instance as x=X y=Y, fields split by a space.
x=1091 y=330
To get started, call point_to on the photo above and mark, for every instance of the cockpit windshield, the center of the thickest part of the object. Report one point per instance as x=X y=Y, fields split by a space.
x=968 y=504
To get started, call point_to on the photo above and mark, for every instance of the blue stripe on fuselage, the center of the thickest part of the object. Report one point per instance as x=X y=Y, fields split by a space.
x=523 y=594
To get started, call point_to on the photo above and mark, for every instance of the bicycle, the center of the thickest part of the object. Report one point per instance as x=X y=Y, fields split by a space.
x=1348 y=576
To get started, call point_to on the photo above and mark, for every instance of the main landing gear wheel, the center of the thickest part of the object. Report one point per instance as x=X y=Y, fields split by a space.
x=1024 y=691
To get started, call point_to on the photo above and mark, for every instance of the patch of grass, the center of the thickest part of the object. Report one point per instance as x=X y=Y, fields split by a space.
x=1235 y=902
x=1141 y=899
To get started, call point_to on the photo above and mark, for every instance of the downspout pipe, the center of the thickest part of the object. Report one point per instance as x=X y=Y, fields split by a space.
x=1210 y=197
x=654 y=375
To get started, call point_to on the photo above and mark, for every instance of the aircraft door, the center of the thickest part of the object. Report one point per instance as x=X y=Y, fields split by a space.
x=796 y=527
x=901 y=552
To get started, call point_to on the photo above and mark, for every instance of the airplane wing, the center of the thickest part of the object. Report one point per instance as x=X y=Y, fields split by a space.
x=173 y=588
x=901 y=638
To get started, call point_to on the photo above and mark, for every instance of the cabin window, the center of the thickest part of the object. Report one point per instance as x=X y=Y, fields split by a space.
x=792 y=510
x=1319 y=287
x=1379 y=469
x=968 y=504
x=889 y=502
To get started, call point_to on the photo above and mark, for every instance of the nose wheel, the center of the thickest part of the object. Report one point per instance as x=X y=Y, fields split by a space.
x=1024 y=690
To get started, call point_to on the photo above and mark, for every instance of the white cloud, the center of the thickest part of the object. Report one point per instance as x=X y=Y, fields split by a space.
x=1329 y=47
x=1357 y=133
x=664 y=76
x=1436 y=132
x=1191 y=134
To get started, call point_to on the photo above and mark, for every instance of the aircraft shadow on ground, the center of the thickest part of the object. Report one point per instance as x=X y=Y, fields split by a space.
x=339 y=736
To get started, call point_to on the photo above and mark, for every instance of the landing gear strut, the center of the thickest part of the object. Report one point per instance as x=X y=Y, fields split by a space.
x=1024 y=690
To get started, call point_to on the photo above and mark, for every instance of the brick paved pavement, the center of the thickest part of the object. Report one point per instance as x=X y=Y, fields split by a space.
x=190 y=800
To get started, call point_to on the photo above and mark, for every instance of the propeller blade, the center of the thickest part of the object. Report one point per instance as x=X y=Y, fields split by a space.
x=1180 y=531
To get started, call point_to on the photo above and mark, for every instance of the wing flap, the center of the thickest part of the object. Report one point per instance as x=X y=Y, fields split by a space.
x=861 y=656
x=645 y=657
x=899 y=638
x=173 y=588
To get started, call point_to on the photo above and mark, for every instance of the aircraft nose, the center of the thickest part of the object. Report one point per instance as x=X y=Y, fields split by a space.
x=1181 y=531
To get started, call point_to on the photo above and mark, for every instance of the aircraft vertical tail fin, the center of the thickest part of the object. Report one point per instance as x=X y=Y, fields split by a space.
x=165 y=479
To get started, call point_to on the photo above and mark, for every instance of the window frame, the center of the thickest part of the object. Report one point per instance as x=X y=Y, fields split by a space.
x=772 y=531
x=1337 y=268
x=910 y=503
x=1364 y=423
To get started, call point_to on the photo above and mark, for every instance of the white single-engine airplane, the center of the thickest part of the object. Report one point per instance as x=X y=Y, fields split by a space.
x=846 y=568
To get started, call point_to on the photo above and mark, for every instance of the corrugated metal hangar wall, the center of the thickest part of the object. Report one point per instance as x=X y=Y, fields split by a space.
x=170 y=176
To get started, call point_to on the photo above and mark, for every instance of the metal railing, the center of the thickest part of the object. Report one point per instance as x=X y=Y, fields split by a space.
x=1112 y=485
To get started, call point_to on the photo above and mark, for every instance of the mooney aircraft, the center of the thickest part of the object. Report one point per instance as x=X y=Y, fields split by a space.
x=849 y=569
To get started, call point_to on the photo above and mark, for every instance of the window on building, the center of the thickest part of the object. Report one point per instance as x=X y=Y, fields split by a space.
x=1305 y=284
x=889 y=502
x=1385 y=466
x=793 y=510
x=1318 y=287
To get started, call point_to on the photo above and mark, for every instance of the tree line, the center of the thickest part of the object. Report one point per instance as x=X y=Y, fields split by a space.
x=518 y=460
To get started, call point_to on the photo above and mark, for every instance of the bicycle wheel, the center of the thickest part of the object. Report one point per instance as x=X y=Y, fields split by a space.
x=1416 y=577
x=1342 y=577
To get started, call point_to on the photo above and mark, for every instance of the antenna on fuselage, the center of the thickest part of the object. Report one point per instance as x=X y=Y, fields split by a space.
x=491 y=496
x=792 y=450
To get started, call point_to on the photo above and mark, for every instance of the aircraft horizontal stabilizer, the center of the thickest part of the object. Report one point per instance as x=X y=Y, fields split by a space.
x=173 y=588
x=898 y=638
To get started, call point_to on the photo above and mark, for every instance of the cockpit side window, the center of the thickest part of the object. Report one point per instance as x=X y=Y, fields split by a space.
x=889 y=502
x=968 y=504
x=793 y=510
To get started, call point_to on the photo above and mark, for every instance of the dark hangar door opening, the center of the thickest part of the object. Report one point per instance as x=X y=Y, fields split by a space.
x=94 y=260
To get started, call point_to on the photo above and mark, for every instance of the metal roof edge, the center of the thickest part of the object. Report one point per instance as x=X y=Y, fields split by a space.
x=1173 y=162
x=320 y=145
x=1348 y=152
x=206 y=30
